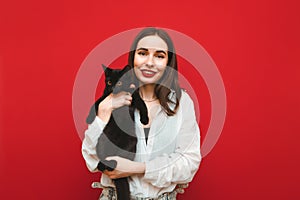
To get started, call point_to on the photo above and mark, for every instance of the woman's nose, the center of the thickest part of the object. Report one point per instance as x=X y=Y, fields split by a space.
x=149 y=61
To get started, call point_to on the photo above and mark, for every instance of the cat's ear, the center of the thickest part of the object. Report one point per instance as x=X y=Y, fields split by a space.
x=126 y=68
x=104 y=67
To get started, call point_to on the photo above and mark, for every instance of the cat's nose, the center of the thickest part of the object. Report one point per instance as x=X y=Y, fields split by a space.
x=132 y=86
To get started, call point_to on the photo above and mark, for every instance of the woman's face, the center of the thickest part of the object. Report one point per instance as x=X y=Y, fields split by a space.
x=150 y=59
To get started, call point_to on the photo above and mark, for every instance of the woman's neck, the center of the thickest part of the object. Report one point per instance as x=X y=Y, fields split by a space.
x=147 y=92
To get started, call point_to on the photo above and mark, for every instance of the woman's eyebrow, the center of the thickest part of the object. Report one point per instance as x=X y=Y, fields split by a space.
x=144 y=49
x=157 y=51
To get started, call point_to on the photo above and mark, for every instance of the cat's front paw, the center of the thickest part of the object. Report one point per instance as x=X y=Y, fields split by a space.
x=144 y=120
x=108 y=165
x=111 y=165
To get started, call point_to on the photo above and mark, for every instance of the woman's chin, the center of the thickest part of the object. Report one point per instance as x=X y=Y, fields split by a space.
x=148 y=83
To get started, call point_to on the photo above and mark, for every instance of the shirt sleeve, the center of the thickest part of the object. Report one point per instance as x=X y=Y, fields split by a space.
x=89 y=143
x=181 y=165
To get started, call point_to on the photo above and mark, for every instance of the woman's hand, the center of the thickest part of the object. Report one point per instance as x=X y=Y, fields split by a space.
x=124 y=168
x=111 y=102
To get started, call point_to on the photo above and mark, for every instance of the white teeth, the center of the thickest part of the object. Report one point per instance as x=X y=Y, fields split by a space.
x=148 y=72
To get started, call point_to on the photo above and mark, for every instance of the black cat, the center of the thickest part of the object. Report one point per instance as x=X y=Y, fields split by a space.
x=118 y=137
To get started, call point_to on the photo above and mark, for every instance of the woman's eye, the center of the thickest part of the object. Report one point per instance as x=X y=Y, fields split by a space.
x=141 y=53
x=160 y=56
x=119 y=83
x=109 y=82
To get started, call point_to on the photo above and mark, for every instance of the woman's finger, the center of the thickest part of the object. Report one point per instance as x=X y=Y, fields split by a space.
x=108 y=173
x=121 y=99
x=126 y=102
x=129 y=98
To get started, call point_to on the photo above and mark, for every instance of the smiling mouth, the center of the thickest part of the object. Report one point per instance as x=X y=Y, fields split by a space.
x=148 y=73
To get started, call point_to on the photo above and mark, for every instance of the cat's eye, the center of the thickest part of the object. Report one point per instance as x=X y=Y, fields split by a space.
x=119 y=83
x=109 y=83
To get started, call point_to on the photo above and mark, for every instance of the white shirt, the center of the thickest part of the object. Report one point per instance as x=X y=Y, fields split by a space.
x=171 y=155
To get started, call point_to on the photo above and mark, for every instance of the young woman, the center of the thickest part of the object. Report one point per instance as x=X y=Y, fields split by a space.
x=168 y=148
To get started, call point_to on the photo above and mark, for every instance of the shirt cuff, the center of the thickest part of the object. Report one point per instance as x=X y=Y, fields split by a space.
x=100 y=122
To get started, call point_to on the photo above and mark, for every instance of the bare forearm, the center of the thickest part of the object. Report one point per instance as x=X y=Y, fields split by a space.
x=137 y=168
x=125 y=168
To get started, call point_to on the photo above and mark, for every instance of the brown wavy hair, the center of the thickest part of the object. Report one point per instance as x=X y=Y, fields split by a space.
x=169 y=80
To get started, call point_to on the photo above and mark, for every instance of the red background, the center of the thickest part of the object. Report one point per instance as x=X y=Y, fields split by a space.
x=255 y=45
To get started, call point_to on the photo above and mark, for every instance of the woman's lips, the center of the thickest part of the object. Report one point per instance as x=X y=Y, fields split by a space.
x=148 y=73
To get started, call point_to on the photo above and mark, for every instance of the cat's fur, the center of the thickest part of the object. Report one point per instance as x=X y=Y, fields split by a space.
x=118 y=137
